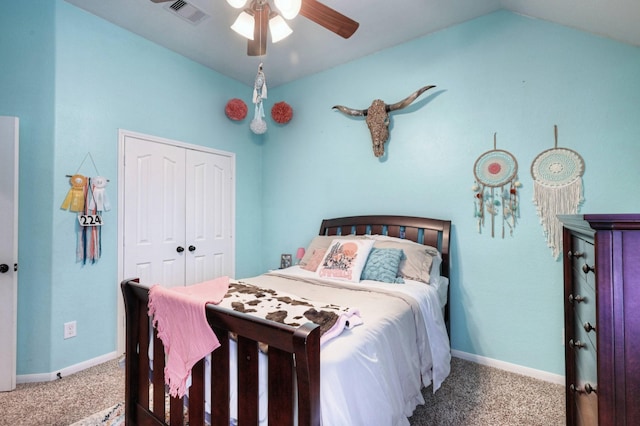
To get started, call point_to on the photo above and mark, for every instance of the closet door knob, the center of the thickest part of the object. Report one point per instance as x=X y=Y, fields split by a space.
x=4 y=268
x=180 y=249
x=192 y=248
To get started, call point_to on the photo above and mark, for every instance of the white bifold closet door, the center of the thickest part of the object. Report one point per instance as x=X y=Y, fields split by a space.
x=178 y=213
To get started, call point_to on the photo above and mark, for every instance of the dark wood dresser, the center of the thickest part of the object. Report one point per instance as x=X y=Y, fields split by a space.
x=602 y=318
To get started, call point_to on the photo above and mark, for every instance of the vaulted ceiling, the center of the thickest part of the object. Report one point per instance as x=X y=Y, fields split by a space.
x=200 y=29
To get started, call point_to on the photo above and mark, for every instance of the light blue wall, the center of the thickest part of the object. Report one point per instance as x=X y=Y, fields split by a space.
x=75 y=81
x=501 y=73
x=27 y=91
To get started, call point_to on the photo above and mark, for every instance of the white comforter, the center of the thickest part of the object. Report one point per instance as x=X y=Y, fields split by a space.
x=372 y=374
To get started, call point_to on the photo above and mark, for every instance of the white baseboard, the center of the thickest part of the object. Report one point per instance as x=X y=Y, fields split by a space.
x=513 y=368
x=48 y=377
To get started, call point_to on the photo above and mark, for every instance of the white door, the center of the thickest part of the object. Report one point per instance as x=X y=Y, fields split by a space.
x=8 y=250
x=177 y=213
x=154 y=212
x=209 y=208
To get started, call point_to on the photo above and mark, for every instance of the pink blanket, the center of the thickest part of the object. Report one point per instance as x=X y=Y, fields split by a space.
x=348 y=319
x=179 y=315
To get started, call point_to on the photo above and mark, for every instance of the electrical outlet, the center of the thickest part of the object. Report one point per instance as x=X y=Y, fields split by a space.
x=69 y=329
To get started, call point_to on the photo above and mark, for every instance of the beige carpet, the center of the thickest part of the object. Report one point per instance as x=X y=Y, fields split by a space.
x=472 y=395
x=64 y=401
x=476 y=395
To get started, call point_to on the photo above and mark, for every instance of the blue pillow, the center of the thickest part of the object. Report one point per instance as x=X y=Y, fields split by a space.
x=382 y=265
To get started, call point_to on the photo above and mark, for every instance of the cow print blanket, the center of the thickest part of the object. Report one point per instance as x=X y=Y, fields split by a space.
x=288 y=309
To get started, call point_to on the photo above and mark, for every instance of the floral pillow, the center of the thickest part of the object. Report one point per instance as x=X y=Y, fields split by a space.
x=345 y=259
x=382 y=265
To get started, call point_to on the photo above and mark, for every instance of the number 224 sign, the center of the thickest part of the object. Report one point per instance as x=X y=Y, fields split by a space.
x=90 y=220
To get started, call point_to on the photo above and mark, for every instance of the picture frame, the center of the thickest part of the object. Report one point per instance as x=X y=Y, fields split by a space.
x=285 y=261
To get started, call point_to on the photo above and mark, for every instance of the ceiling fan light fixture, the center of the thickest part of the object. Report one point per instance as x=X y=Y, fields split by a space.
x=289 y=8
x=244 y=25
x=237 y=3
x=279 y=29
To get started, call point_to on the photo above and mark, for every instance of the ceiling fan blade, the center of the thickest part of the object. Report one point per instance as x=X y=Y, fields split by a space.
x=258 y=46
x=330 y=19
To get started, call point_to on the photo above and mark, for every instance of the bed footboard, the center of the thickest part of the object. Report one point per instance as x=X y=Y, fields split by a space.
x=293 y=370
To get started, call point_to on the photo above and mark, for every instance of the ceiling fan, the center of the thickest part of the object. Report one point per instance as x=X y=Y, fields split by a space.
x=262 y=12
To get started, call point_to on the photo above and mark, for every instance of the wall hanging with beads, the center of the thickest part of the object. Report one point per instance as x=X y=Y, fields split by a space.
x=87 y=198
x=496 y=189
x=557 y=189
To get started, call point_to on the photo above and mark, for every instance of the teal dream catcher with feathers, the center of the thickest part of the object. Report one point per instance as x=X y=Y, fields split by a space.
x=496 y=190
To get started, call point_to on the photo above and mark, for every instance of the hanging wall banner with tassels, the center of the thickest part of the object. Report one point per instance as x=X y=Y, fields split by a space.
x=496 y=189
x=88 y=198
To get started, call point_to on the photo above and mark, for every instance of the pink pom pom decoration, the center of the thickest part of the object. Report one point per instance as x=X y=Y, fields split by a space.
x=236 y=109
x=281 y=112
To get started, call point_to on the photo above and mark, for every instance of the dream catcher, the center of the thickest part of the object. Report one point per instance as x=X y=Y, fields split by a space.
x=496 y=189
x=557 y=189
x=258 y=125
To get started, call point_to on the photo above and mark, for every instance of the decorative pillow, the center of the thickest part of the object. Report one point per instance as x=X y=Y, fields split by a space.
x=418 y=258
x=322 y=242
x=382 y=265
x=345 y=259
x=314 y=261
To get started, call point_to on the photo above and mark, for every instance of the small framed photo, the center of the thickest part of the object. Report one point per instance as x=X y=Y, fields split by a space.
x=285 y=261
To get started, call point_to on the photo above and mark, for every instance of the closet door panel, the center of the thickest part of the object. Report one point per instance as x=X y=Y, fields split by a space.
x=154 y=232
x=209 y=180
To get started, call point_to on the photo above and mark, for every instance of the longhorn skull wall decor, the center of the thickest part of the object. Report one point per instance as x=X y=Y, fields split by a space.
x=377 y=117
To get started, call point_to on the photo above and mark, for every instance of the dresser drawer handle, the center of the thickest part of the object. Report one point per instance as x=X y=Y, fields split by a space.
x=586 y=389
x=576 y=254
x=586 y=268
x=577 y=298
x=588 y=327
x=577 y=344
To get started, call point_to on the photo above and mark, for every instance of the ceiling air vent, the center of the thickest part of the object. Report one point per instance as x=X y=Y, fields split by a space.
x=187 y=11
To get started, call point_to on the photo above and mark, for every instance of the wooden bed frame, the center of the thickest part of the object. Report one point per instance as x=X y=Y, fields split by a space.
x=293 y=354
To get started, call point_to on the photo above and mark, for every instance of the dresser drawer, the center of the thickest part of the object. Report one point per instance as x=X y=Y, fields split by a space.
x=583 y=261
x=586 y=384
x=585 y=356
x=581 y=249
x=583 y=302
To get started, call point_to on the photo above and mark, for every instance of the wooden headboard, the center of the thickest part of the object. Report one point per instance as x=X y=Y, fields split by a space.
x=431 y=232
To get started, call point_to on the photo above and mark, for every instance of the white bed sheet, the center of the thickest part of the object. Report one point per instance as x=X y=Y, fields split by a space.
x=431 y=298
x=374 y=375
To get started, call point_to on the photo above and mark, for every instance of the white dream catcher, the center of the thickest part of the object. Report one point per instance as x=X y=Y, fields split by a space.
x=557 y=189
x=496 y=189
x=258 y=125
